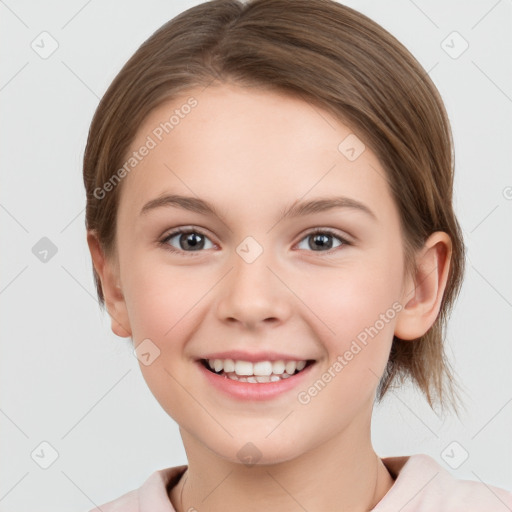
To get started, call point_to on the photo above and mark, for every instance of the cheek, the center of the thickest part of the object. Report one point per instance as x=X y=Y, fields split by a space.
x=159 y=298
x=353 y=297
x=357 y=306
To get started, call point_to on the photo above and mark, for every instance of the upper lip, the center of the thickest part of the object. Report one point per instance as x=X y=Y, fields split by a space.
x=240 y=355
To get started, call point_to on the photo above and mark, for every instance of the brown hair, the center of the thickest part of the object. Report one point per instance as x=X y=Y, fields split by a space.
x=336 y=58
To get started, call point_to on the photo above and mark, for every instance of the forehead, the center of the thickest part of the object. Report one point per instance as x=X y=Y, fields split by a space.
x=246 y=146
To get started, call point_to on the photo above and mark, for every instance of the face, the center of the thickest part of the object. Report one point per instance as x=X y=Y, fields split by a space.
x=321 y=284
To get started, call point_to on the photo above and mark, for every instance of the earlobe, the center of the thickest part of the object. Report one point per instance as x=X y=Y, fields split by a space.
x=109 y=276
x=424 y=291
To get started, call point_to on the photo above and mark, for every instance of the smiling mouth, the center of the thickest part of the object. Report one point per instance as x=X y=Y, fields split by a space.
x=258 y=373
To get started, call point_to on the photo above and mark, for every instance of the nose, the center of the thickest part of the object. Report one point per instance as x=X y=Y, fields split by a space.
x=254 y=294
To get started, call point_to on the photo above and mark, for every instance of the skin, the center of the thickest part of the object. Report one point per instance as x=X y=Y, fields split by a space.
x=252 y=153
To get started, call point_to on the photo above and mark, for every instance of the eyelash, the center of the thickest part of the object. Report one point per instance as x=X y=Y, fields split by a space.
x=316 y=231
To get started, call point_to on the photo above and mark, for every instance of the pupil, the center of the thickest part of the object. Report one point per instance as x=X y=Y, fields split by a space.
x=191 y=241
x=322 y=240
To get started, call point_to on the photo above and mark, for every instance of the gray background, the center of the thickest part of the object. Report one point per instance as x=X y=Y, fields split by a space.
x=67 y=380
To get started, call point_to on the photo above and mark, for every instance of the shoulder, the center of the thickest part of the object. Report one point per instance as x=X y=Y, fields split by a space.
x=423 y=485
x=152 y=496
x=128 y=502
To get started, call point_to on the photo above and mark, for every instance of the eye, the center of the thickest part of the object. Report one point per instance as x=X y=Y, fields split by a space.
x=322 y=239
x=192 y=240
x=189 y=241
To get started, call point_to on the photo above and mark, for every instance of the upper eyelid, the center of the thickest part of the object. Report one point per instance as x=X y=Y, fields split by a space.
x=182 y=230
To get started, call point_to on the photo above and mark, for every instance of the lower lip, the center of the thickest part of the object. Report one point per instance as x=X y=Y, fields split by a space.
x=254 y=391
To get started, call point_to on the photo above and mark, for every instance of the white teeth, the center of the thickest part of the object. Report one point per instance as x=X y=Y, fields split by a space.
x=257 y=378
x=262 y=371
x=243 y=368
x=291 y=366
x=263 y=368
x=278 y=367
x=229 y=365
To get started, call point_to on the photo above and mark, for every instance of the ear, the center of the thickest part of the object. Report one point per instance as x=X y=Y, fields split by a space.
x=108 y=273
x=423 y=292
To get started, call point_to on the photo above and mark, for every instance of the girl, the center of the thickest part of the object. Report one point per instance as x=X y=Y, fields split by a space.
x=269 y=215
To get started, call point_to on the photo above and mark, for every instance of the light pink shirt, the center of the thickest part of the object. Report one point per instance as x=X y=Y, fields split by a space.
x=421 y=485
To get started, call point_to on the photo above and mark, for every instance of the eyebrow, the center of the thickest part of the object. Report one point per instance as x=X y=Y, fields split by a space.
x=297 y=209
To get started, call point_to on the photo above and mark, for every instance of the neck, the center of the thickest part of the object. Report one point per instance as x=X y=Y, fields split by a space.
x=340 y=474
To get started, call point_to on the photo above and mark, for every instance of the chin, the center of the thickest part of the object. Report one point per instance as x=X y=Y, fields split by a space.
x=259 y=453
